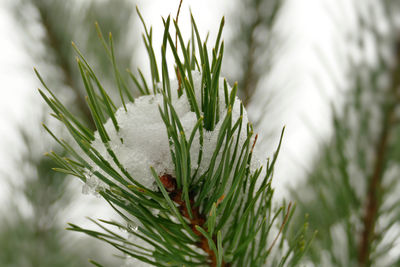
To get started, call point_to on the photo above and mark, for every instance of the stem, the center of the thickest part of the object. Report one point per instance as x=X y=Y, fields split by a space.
x=375 y=187
x=199 y=219
x=373 y=196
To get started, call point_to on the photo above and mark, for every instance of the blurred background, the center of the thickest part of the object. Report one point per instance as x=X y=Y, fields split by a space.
x=328 y=70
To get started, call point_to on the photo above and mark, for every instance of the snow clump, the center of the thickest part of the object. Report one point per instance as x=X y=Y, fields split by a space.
x=145 y=140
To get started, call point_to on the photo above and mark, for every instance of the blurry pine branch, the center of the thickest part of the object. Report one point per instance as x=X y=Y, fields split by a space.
x=30 y=232
x=66 y=21
x=253 y=44
x=352 y=192
x=36 y=238
x=253 y=51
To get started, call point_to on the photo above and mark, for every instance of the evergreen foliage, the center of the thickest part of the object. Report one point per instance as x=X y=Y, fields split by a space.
x=64 y=21
x=37 y=237
x=351 y=193
x=34 y=237
x=223 y=217
x=253 y=44
x=253 y=51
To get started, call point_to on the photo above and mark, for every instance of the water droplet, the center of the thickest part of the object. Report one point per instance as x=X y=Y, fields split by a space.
x=88 y=174
x=133 y=227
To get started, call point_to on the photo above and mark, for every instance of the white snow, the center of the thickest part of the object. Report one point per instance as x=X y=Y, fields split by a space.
x=145 y=140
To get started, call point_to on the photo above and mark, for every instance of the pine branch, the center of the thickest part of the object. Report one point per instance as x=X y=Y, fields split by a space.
x=62 y=23
x=374 y=193
x=203 y=201
x=250 y=79
x=34 y=237
x=350 y=193
x=252 y=50
x=38 y=237
x=196 y=220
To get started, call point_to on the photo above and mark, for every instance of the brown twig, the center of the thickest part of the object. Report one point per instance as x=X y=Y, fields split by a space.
x=197 y=218
x=373 y=195
x=254 y=143
x=374 y=187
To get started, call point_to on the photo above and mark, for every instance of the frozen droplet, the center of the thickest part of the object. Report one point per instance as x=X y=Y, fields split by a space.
x=88 y=174
x=132 y=226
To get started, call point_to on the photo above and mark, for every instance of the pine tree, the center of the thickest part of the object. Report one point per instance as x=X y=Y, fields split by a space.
x=351 y=193
x=177 y=164
x=37 y=237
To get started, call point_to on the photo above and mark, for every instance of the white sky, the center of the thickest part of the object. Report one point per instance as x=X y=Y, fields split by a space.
x=306 y=22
